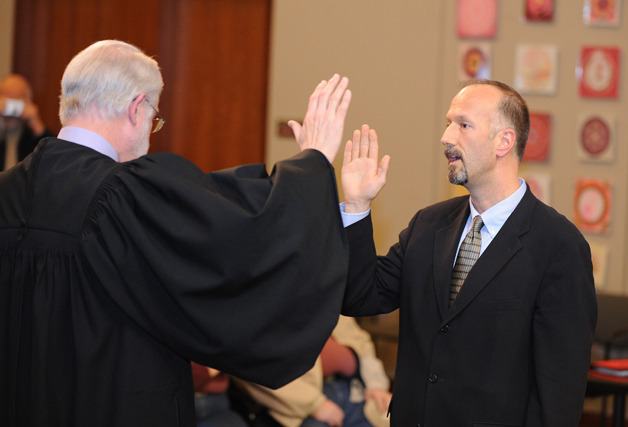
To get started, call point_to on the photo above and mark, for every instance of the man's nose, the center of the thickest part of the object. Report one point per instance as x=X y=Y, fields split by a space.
x=446 y=136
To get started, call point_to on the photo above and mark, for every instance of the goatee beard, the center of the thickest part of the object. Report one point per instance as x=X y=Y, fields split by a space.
x=457 y=177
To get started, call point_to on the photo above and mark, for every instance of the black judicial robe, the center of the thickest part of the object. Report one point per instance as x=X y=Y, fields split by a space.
x=113 y=276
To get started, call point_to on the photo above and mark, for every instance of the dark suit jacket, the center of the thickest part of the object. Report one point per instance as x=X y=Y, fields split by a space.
x=514 y=348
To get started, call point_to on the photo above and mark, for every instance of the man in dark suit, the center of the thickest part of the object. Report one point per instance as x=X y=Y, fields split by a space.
x=21 y=127
x=495 y=290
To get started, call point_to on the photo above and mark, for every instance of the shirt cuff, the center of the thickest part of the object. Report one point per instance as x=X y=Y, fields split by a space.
x=351 y=218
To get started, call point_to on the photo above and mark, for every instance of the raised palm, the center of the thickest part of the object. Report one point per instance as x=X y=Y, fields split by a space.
x=363 y=176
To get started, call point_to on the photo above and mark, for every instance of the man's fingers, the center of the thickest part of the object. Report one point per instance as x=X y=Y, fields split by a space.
x=373 y=145
x=382 y=171
x=341 y=112
x=313 y=101
x=325 y=93
x=296 y=129
x=347 y=156
x=355 y=146
x=337 y=94
x=364 y=141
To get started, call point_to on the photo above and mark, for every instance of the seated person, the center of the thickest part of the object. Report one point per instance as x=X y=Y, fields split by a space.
x=210 y=399
x=346 y=387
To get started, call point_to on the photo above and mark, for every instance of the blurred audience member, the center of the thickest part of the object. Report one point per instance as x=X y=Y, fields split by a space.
x=21 y=127
x=346 y=387
x=210 y=399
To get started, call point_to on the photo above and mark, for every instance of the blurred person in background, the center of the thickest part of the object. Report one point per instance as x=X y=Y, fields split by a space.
x=21 y=126
x=211 y=400
x=346 y=387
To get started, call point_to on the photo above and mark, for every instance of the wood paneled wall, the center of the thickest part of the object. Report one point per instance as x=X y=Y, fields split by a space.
x=213 y=55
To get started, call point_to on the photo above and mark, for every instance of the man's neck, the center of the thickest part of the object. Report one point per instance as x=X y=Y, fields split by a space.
x=483 y=197
x=106 y=129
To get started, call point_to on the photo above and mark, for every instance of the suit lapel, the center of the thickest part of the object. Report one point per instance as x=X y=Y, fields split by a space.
x=503 y=247
x=445 y=245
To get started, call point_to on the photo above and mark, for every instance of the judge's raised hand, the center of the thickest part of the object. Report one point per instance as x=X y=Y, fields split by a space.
x=363 y=174
x=324 y=118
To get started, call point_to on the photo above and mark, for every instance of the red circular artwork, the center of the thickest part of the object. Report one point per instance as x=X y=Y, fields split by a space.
x=537 y=147
x=595 y=136
x=473 y=61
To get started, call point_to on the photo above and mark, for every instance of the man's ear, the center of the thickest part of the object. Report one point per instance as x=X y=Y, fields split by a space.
x=134 y=107
x=506 y=141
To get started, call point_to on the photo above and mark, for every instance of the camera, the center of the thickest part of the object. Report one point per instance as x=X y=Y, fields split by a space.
x=12 y=107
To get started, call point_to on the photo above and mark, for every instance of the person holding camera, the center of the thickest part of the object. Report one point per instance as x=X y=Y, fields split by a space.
x=21 y=126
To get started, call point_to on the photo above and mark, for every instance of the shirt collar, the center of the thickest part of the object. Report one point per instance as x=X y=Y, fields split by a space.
x=495 y=216
x=88 y=139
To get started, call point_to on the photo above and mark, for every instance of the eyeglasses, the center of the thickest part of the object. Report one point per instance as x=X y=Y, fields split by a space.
x=158 y=121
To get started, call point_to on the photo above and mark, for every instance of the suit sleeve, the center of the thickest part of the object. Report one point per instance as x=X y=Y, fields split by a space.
x=564 y=323
x=373 y=285
x=236 y=270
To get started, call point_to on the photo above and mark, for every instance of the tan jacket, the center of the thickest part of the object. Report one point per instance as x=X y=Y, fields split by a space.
x=295 y=401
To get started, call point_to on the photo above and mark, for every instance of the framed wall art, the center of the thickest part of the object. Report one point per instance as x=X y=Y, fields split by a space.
x=539 y=138
x=592 y=205
x=476 y=18
x=539 y=183
x=536 y=69
x=599 y=71
x=539 y=10
x=605 y=13
x=596 y=137
x=474 y=61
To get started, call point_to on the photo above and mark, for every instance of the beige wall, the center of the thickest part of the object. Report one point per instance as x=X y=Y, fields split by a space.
x=6 y=35
x=388 y=49
x=401 y=57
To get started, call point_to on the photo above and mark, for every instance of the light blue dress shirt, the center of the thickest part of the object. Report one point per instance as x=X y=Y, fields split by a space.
x=88 y=139
x=493 y=218
x=351 y=218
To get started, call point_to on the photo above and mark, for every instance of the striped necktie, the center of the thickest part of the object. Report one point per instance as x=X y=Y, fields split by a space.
x=468 y=254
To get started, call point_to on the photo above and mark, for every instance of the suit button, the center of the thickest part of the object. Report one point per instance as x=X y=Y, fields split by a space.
x=444 y=330
x=433 y=378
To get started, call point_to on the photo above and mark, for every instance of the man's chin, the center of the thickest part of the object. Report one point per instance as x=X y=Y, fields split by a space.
x=458 y=178
x=459 y=182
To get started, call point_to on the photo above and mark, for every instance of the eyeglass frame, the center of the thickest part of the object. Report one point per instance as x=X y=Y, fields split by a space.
x=158 y=119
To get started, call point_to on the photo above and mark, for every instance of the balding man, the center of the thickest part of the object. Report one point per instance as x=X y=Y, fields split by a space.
x=21 y=126
x=495 y=289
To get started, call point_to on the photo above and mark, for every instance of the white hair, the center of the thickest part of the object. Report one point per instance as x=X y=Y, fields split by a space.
x=107 y=75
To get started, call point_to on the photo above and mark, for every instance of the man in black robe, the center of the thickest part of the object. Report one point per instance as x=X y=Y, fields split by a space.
x=118 y=268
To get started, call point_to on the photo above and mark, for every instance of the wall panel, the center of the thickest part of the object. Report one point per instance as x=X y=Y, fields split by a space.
x=213 y=55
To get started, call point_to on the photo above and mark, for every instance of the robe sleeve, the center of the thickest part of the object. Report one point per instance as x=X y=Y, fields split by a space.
x=236 y=270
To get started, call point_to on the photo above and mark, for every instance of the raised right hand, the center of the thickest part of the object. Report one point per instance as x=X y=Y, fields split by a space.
x=325 y=117
x=362 y=175
x=330 y=413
